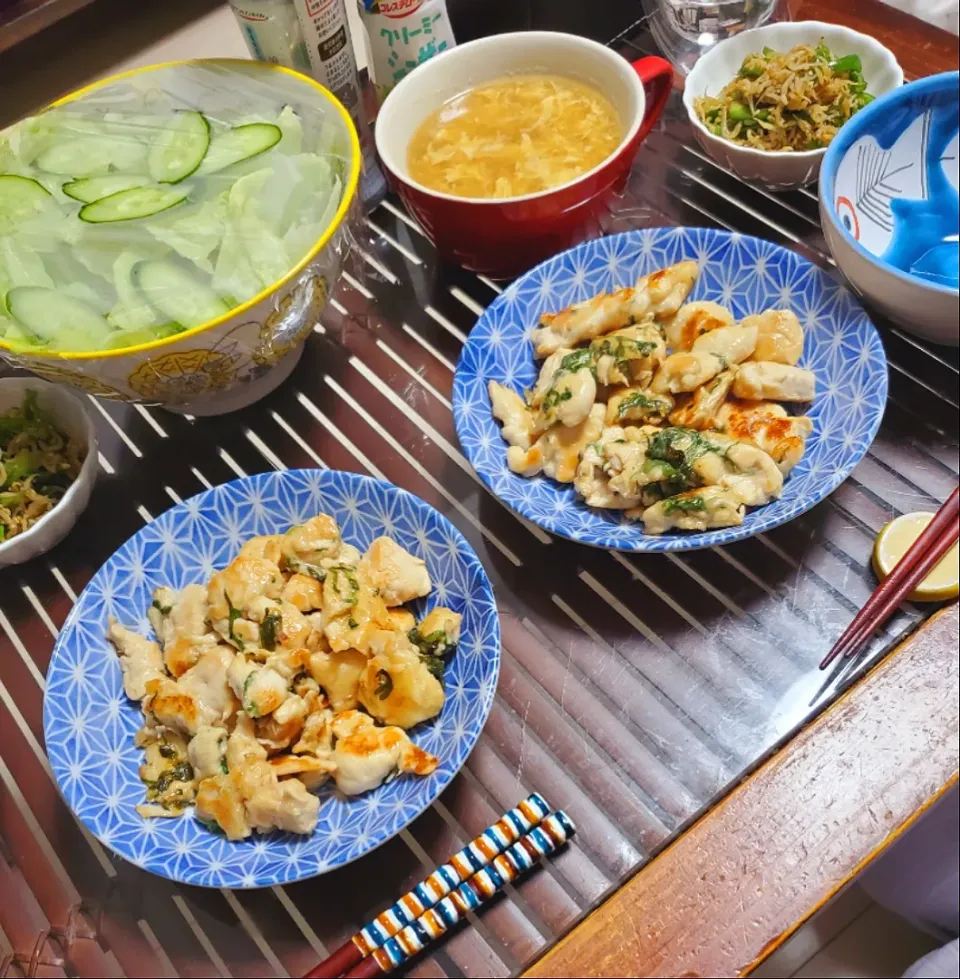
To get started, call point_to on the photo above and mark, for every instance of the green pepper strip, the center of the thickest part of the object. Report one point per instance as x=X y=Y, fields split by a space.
x=850 y=62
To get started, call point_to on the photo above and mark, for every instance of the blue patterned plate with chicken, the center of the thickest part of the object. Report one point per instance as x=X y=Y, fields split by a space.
x=746 y=276
x=89 y=723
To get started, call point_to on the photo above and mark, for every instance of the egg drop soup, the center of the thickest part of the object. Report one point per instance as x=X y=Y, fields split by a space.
x=517 y=135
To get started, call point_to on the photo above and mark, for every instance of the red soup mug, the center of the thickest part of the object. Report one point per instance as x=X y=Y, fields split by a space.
x=502 y=237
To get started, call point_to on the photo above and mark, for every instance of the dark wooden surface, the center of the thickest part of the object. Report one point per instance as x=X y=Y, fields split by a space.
x=635 y=690
x=920 y=48
x=736 y=885
x=25 y=18
x=38 y=67
x=601 y=19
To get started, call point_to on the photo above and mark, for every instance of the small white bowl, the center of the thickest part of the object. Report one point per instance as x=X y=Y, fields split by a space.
x=71 y=417
x=778 y=169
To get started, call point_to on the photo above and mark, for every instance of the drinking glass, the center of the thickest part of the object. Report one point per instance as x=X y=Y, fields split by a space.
x=686 y=29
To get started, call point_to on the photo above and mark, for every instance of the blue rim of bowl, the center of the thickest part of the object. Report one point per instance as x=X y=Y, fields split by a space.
x=843 y=141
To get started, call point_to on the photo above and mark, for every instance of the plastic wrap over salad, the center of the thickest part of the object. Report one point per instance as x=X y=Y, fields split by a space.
x=161 y=201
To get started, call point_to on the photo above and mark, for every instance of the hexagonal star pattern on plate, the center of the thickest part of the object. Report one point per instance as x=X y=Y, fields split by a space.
x=747 y=275
x=89 y=724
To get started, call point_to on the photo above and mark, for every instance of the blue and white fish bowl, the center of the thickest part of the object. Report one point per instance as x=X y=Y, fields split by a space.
x=889 y=205
x=89 y=724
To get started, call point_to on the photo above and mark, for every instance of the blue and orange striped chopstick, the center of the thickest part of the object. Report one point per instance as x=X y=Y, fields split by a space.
x=474 y=856
x=541 y=841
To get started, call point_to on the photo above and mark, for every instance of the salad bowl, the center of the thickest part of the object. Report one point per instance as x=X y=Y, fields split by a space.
x=201 y=364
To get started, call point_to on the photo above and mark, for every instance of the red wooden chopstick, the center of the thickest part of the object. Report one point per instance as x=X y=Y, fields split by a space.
x=924 y=554
x=927 y=563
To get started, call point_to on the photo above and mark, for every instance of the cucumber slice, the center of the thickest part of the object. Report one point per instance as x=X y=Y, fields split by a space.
x=240 y=143
x=179 y=148
x=176 y=294
x=80 y=157
x=127 y=205
x=50 y=315
x=90 y=189
x=133 y=338
x=20 y=198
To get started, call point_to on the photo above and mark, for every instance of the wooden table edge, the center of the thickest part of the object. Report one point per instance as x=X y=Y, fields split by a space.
x=732 y=888
x=27 y=18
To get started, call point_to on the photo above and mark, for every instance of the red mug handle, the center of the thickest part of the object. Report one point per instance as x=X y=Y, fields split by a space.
x=657 y=77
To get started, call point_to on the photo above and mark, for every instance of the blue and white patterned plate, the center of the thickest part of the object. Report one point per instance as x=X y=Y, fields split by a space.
x=89 y=724
x=747 y=275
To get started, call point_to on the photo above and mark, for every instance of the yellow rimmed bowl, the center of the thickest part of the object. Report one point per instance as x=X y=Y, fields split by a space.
x=237 y=358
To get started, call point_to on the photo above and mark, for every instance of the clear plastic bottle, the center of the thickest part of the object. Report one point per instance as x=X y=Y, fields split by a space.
x=272 y=31
x=313 y=36
x=402 y=34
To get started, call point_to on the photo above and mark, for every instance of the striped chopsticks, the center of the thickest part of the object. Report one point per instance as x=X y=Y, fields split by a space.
x=497 y=856
x=541 y=841
x=923 y=556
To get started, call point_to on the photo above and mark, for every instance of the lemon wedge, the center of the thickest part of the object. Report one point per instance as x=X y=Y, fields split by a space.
x=895 y=539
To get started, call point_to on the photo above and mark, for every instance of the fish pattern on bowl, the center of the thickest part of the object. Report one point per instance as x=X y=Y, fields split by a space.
x=896 y=190
x=889 y=205
x=89 y=723
x=748 y=275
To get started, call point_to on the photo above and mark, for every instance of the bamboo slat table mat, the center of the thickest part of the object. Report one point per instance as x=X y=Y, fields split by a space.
x=634 y=689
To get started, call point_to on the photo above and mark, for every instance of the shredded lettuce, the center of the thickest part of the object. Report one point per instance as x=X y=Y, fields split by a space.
x=301 y=237
x=195 y=234
x=96 y=291
x=22 y=266
x=301 y=189
x=17 y=337
x=85 y=293
x=97 y=254
x=32 y=136
x=50 y=230
x=241 y=229
x=9 y=161
x=292 y=128
x=132 y=311
x=268 y=256
x=234 y=274
x=250 y=199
